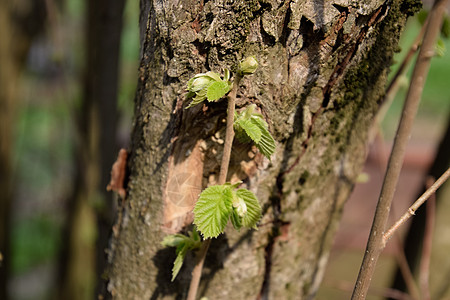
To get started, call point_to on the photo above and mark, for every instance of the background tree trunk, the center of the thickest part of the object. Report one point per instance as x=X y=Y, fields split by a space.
x=20 y=22
x=91 y=206
x=322 y=73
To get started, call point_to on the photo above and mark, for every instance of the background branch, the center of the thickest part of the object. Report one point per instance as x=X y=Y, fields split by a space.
x=375 y=243
x=412 y=209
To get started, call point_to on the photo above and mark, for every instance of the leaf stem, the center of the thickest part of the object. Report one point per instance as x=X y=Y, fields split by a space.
x=375 y=244
x=229 y=136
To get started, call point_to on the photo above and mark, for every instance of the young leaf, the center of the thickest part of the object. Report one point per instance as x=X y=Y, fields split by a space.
x=217 y=90
x=267 y=144
x=251 y=129
x=213 y=209
x=236 y=220
x=178 y=263
x=182 y=243
x=249 y=125
x=174 y=240
x=253 y=214
x=214 y=76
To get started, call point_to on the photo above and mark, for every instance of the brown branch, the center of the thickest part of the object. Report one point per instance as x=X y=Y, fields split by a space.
x=376 y=243
x=229 y=136
x=412 y=209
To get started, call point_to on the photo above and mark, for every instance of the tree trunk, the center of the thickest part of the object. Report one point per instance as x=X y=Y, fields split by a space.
x=322 y=73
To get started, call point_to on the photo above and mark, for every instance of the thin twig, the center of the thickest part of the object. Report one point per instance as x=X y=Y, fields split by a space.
x=375 y=243
x=412 y=209
x=424 y=274
x=229 y=136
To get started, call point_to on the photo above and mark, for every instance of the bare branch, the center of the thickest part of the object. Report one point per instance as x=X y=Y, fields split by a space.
x=376 y=243
x=412 y=209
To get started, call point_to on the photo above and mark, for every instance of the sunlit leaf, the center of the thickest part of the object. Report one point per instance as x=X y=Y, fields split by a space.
x=217 y=90
x=213 y=209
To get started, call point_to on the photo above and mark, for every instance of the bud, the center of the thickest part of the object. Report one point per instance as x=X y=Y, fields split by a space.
x=199 y=82
x=248 y=66
x=241 y=207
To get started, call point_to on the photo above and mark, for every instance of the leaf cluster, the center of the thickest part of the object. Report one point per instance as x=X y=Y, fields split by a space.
x=218 y=204
x=183 y=244
x=208 y=86
x=251 y=126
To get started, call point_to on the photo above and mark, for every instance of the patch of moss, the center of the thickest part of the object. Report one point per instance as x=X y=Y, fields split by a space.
x=411 y=7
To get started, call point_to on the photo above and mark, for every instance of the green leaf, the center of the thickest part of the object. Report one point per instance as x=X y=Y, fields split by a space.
x=195 y=236
x=227 y=75
x=178 y=263
x=251 y=129
x=267 y=144
x=213 y=209
x=214 y=76
x=182 y=243
x=253 y=208
x=217 y=90
x=249 y=125
x=236 y=220
x=199 y=97
x=174 y=240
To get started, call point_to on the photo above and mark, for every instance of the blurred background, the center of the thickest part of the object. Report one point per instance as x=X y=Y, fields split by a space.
x=68 y=73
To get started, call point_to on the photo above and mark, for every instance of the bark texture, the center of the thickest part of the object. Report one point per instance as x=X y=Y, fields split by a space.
x=323 y=67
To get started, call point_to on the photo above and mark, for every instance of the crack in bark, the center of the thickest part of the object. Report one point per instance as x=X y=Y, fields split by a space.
x=338 y=71
x=376 y=18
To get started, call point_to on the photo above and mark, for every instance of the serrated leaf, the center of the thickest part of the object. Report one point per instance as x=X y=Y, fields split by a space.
x=251 y=129
x=267 y=144
x=249 y=125
x=241 y=135
x=178 y=263
x=253 y=208
x=213 y=209
x=217 y=90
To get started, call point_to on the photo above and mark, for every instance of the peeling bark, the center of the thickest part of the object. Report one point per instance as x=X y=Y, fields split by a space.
x=322 y=73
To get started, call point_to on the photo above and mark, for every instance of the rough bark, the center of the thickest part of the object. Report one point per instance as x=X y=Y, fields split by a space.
x=322 y=73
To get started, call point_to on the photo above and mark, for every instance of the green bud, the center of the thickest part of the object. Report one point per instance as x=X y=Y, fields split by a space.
x=199 y=82
x=248 y=66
